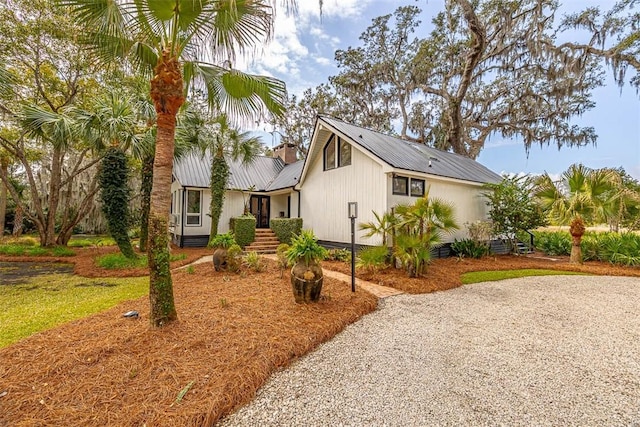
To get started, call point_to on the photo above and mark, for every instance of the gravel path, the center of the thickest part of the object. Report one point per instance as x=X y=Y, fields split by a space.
x=544 y=351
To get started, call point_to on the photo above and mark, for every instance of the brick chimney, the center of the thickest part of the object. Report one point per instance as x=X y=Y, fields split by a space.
x=287 y=152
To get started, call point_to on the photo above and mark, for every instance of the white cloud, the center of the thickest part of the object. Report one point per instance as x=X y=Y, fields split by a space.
x=310 y=9
x=322 y=61
x=498 y=143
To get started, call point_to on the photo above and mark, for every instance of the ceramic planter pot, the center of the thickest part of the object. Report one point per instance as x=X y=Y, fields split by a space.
x=306 y=282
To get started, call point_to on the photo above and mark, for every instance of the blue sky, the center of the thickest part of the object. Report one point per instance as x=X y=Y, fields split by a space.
x=302 y=54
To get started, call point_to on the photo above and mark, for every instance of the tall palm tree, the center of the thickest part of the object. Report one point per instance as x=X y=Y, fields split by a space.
x=219 y=139
x=581 y=196
x=168 y=40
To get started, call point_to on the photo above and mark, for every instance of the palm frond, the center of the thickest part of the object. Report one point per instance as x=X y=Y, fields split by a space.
x=244 y=97
x=226 y=28
x=57 y=128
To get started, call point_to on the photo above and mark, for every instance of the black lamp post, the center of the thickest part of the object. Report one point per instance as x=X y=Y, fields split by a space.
x=353 y=214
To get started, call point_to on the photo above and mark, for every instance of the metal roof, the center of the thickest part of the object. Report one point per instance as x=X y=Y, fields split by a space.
x=288 y=177
x=410 y=156
x=263 y=174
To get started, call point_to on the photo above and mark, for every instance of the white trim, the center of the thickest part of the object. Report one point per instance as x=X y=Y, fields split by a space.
x=188 y=214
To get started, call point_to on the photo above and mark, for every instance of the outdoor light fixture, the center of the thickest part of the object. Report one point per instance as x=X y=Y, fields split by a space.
x=352 y=208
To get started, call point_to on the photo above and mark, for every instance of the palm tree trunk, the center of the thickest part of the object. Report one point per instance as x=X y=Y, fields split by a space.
x=163 y=308
x=576 y=250
x=167 y=93
x=146 y=186
x=577 y=230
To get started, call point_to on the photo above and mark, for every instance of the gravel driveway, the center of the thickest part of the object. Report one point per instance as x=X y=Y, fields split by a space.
x=553 y=350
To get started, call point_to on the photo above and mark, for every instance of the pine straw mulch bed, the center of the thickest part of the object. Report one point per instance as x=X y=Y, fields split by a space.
x=444 y=273
x=234 y=330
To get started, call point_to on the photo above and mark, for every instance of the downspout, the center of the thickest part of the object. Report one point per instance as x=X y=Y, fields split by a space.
x=182 y=218
x=298 y=191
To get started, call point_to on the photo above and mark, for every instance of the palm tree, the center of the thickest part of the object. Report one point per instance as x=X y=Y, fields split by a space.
x=167 y=40
x=113 y=124
x=420 y=227
x=383 y=226
x=220 y=140
x=582 y=196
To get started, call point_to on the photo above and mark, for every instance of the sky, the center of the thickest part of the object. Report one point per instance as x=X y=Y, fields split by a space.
x=302 y=50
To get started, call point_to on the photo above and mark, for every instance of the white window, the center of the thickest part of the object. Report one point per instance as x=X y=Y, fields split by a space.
x=194 y=204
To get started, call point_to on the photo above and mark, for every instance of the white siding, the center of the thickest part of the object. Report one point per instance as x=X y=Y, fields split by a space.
x=325 y=194
x=233 y=206
x=469 y=205
x=278 y=204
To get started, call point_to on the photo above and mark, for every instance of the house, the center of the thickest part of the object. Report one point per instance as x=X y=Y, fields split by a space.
x=264 y=187
x=345 y=163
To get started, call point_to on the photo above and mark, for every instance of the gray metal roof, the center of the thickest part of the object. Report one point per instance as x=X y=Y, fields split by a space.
x=263 y=174
x=410 y=156
x=288 y=176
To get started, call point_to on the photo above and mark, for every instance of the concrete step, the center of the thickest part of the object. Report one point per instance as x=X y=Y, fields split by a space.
x=267 y=239
x=261 y=250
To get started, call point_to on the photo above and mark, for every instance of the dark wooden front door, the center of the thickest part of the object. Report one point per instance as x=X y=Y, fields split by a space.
x=259 y=207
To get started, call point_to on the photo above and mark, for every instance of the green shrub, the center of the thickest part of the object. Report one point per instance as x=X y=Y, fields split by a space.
x=38 y=251
x=62 y=251
x=620 y=248
x=470 y=248
x=343 y=255
x=80 y=243
x=24 y=241
x=118 y=261
x=224 y=241
x=553 y=242
x=254 y=262
x=373 y=259
x=234 y=257
x=286 y=228
x=590 y=247
x=244 y=229
x=12 y=250
x=305 y=247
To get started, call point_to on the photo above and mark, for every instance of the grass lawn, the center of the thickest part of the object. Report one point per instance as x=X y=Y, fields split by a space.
x=491 y=276
x=48 y=301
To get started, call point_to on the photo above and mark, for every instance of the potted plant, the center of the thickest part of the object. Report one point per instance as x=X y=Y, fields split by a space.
x=306 y=275
x=221 y=244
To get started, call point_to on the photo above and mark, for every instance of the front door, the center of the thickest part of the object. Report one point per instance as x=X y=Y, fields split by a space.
x=259 y=207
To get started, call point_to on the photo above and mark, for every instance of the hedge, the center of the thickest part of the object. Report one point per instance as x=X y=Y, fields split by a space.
x=244 y=229
x=286 y=228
